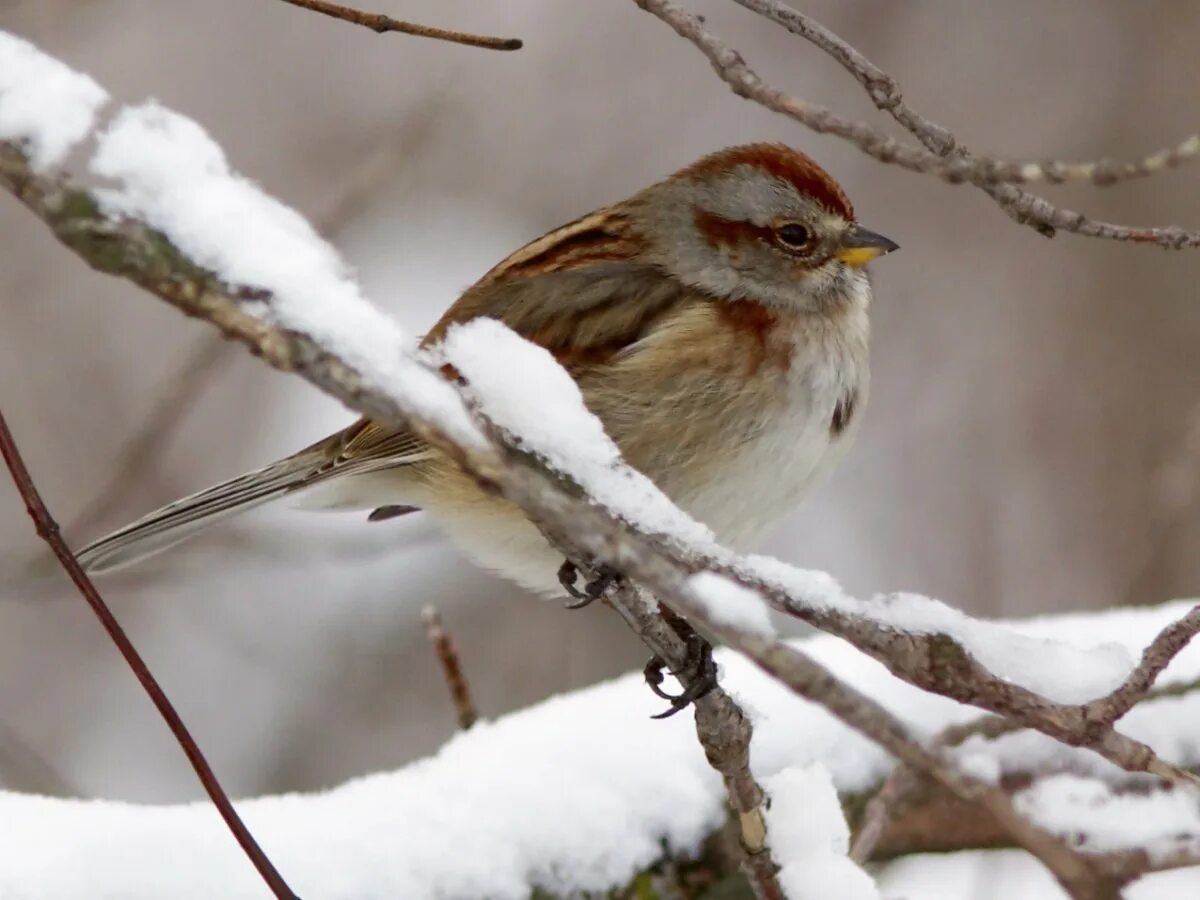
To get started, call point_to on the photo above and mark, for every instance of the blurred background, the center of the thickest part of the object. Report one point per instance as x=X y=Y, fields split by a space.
x=1032 y=443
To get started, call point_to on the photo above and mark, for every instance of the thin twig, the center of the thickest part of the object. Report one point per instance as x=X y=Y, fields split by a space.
x=886 y=95
x=994 y=176
x=382 y=24
x=447 y=654
x=48 y=530
x=1156 y=657
x=885 y=805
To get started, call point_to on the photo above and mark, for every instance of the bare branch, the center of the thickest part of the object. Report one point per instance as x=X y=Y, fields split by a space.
x=944 y=158
x=886 y=95
x=1156 y=657
x=382 y=24
x=47 y=529
x=447 y=654
x=885 y=806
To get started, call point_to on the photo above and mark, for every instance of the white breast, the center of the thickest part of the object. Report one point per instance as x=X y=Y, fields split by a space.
x=769 y=474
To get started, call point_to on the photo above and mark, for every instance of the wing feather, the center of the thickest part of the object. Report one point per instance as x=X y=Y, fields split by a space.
x=577 y=291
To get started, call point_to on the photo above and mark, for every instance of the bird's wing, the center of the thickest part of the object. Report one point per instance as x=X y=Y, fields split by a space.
x=575 y=291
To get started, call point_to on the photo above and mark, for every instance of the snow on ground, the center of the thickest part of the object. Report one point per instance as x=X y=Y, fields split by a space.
x=44 y=105
x=580 y=790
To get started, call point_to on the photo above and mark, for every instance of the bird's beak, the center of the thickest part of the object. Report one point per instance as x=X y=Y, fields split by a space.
x=860 y=246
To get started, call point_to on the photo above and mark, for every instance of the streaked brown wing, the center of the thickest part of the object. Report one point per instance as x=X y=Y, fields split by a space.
x=575 y=291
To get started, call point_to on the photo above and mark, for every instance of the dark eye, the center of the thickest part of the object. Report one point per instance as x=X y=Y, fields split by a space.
x=793 y=235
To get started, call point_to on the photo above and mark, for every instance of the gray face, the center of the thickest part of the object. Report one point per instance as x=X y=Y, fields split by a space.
x=749 y=235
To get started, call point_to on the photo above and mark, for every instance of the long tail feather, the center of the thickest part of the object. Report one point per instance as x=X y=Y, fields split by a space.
x=180 y=520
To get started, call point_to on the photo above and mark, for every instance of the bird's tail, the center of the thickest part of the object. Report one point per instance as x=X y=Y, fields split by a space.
x=180 y=520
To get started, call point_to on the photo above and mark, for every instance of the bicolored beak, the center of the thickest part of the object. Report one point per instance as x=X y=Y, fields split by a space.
x=860 y=246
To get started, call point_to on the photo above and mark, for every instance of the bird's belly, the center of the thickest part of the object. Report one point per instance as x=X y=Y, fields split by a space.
x=758 y=480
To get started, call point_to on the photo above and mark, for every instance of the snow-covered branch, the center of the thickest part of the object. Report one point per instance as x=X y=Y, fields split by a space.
x=178 y=223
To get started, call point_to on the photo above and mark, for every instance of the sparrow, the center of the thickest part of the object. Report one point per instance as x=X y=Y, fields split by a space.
x=716 y=322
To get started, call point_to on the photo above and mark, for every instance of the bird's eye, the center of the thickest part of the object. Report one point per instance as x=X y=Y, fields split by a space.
x=793 y=235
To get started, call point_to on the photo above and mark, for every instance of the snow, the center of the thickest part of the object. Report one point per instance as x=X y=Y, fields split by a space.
x=503 y=371
x=972 y=875
x=1059 y=670
x=543 y=797
x=728 y=603
x=1159 y=820
x=579 y=790
x=810 y=840
x=980 y=766
x=44 y=105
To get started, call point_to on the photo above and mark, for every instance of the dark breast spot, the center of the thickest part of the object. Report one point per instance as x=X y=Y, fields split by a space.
x=843 y=412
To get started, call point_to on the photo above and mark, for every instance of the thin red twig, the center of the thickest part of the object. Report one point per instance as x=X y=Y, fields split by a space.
x=48 y=530
x=447 y=654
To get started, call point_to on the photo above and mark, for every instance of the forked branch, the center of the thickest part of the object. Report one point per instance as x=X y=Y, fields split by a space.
x=941 y=156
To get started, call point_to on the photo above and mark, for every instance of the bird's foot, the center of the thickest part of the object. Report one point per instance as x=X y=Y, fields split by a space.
x=602 y=580
x=699 y=676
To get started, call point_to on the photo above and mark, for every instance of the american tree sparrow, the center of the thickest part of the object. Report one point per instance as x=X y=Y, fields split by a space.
x=716 y=322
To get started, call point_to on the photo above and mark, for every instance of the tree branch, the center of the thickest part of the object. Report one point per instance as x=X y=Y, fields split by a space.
x=885 y=93
x=943 y=157
x=382 y=24
x=447 y=654
x=1104 y=711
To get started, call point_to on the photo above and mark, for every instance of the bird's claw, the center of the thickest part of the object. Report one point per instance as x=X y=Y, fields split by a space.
x=699 y=673
x=602 y=581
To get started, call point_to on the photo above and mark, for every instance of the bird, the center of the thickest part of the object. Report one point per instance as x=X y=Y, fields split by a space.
x=716 y=322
